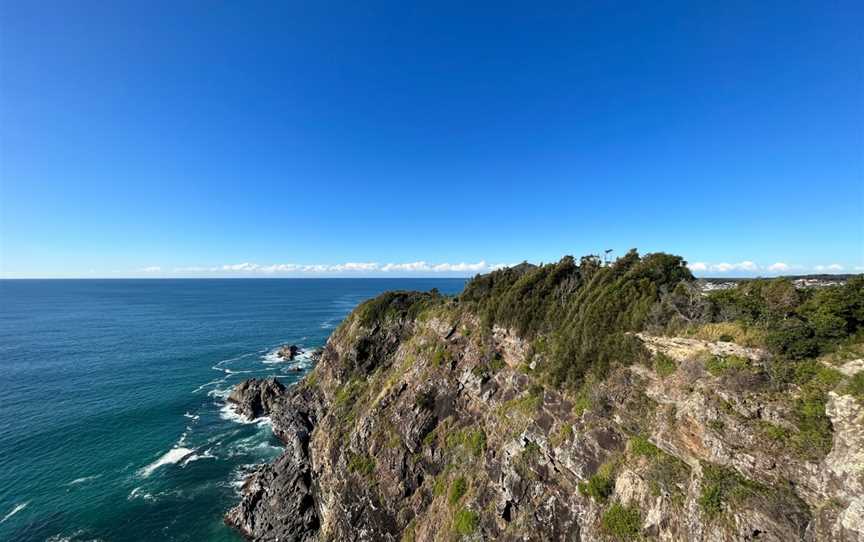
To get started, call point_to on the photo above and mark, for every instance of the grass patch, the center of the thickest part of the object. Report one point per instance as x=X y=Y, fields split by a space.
x=855 y=386
x=361 y=464
x=458 y=488
x=441 y=357
x=721 y=365
x=465 y=522
x=642 y=447
x=600 y=486
x=622 y=522
x=723 y=487
x=728 y=332
x=472 y=440
x=664 y=365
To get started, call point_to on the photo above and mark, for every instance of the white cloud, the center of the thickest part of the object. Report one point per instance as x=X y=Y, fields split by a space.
x=348 y=268
x=779 y=267
x=698 y=266
x=412 y=266
x=241 y=267
x=830 y=267
x=151 y=269
x=724 y=267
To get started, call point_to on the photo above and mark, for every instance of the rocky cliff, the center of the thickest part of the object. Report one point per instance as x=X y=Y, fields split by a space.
x=424 y=420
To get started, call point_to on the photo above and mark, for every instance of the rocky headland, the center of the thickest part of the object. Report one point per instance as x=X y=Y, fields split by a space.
x=566 y=402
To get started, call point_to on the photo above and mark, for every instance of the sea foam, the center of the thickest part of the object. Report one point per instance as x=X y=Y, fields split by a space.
x=15 y=510
x=170 y=457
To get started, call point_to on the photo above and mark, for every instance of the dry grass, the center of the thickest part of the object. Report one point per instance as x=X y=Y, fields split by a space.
x=727 y=331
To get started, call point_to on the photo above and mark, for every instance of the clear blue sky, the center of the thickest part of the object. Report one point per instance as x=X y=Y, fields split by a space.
x=159 y=138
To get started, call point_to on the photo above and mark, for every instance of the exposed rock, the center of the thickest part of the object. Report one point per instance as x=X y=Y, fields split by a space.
x=288 y=352
x=278 y=500
x=407 y=429
x=256 y=397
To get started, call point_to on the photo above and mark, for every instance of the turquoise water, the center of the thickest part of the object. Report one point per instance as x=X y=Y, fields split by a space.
x=112 y=418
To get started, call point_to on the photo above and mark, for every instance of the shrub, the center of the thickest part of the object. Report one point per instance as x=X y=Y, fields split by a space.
x=855 y=387
x=584 y=311
x=600 y=486
x=361 y=464
x=465 y=522
x=458 y=488
x=664 y=365
x=622 y=522
x=641 y=446
x=722 y=486
x=721 y=365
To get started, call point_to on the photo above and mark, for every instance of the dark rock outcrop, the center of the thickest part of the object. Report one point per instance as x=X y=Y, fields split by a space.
x=427 y=428
x=278 y=500
x=289 y=352
x=254 y=398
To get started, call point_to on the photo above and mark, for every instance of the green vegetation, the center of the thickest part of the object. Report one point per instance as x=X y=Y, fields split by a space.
x=465 y=522
x=441 y=357
x=666 y=474
x=641 y=446
x=361 y=464
x=722 y=487
x=600 y=486
x=664 y=365
x=855 y=387
x=472 y=440
x=396 y=305
x=584 y=311
x=622 y=522
x=796 y=324
x=721 y=365
x=458 y=488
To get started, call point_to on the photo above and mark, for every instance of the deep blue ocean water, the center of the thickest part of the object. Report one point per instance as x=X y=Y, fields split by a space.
x=113 y=424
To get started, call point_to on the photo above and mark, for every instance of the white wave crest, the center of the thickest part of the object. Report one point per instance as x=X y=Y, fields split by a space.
x=196 y=456
x=77 y=481
x=170 y=457
x=15 y=510
x=227 y=412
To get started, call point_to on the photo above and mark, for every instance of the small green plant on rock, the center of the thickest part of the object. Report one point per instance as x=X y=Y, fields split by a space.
x=600 y=486
x=664 y=365
x=458 y=488
x=622 y=522
x=465 y=522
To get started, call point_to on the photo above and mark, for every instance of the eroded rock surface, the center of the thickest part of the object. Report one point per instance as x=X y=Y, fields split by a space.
x=254 y=398
x=430 y=429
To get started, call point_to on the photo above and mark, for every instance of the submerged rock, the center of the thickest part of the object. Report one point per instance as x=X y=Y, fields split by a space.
x=254 y=398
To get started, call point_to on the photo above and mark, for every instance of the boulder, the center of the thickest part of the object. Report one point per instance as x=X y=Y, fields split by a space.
x=288 y=352
x=256 y=397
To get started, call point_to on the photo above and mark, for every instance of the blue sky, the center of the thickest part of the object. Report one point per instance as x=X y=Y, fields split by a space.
x=289 y=138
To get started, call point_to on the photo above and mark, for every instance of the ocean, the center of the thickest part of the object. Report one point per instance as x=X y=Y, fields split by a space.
x=113 y=424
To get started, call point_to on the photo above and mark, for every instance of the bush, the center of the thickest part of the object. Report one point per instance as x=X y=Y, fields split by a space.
x=641 y=446
x=721 y=365
x=855 y=387
x=584 y=312
x=664 y=365
x=458 y=488
x=361 y=464
x=465 y=522
x=600 y=486
x=721 y=487
x=622 y=522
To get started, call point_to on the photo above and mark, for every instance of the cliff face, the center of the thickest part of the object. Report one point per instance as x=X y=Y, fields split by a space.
x=425 y=424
